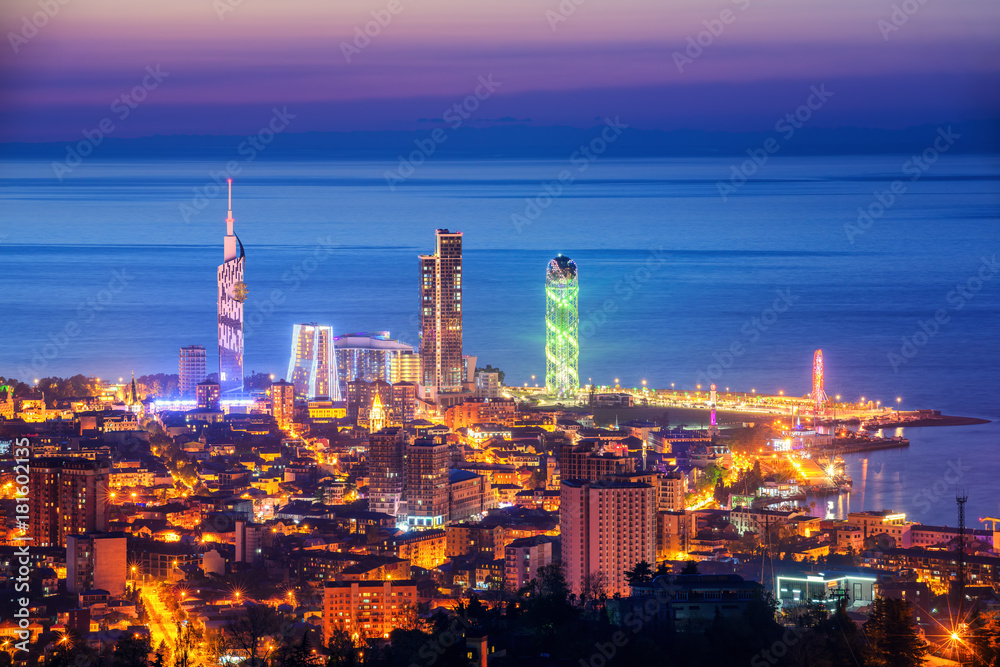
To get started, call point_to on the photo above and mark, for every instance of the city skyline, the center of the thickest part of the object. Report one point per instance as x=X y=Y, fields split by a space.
x=746 y=415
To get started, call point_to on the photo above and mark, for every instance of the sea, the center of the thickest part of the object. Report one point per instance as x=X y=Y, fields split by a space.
x=687 y=275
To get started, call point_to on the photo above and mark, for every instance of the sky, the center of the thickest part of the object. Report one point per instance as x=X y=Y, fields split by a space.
x=223 y=65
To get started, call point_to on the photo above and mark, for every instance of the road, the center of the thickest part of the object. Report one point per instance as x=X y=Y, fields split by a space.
x=161 y=624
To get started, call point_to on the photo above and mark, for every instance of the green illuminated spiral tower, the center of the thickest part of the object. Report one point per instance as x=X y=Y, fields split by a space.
x=562 y=341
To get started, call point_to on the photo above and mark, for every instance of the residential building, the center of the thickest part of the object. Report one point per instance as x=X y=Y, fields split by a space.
x=523 y=557
x=606 y=527
x=96 y=560
x=68 y=497
x=469 y=495
x=442 y=367
x=208 y=394
x=192 y=369
x=368 y=608
x=283 y=404
x=427 y=484
x=387 y=470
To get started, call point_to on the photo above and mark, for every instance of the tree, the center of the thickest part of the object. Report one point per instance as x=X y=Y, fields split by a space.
x=641 y=573
x=690 y=567
x=985 y=640
x=893 y=639
x=131 y=651
x=248 y=631
x=295 y=655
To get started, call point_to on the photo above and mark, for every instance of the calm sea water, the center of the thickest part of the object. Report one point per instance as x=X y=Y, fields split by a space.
x=103 y=275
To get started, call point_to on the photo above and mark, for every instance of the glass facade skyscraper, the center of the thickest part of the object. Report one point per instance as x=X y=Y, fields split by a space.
x=311 y=367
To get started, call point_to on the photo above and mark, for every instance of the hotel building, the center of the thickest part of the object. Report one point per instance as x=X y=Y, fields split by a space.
x=373 y=356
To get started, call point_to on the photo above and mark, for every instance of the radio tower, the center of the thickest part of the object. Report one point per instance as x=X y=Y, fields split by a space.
x=961 y=500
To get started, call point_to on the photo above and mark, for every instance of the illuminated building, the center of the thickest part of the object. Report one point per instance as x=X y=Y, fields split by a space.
x=311 y=367
x=427 y=497
x=442 y=366
x=487 y=385
x=562 y=340
x=376 y=416
x=7 y=405
x=522 y=559
x=208 y=394
x=398 y=402
x=879 y=522
x=387 y=470
x=606 y=527
x=249 y=538
x=283 y=404
x=818 y=393
x=191 y=366
x=96 y=560
x=425 y=548
x=468 y=495
x=68 y=496
x=374 y=356
x=406 y=368
x=368 y=608
x=474 y=412
x=232 y=294
x=592 y=462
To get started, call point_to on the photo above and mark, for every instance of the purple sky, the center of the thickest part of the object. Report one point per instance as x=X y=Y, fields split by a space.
x=609 y=57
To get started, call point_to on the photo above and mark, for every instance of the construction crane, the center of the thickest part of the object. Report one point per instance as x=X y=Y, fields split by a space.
x=990 y=519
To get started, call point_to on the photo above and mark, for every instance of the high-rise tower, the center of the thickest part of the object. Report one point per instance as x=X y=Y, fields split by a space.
x=562 y=341
x=312 y=367
x=442 y=368
x=232 y=294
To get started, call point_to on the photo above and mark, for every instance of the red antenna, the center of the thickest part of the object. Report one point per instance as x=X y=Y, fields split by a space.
x=230 y=198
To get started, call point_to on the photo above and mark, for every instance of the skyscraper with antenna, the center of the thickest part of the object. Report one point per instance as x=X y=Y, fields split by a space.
x=232 y=294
